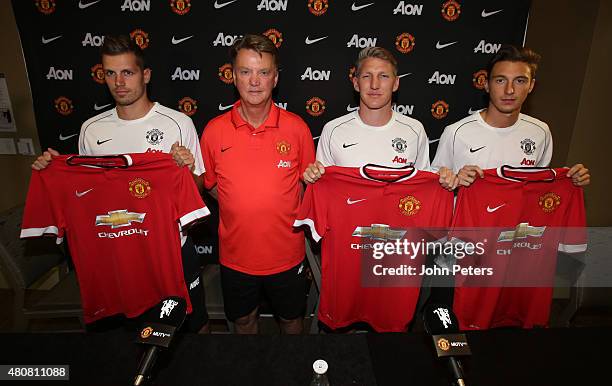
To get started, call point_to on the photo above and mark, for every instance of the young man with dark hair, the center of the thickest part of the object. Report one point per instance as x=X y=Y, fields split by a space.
x=501 y=134
x=138 y=125
x=375 y=133
x=254 y=156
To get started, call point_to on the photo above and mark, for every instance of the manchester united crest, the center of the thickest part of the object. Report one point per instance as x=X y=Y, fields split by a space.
x=63 y=105
x=274 y=35
x=283 y=147
x=451 y=10
x=318 y=7
x=409 y=206
x=226 y=73
x=45 y=6
x=399 y=145
x=146 y=332
x=439 y=109
x=155 y=136
x=351 y=74
x=180 y=7
x=188 y=106
x=97 y=73
x=479 y=79
x=404 y=42
x=140 y=188
x=528 y=146
x=315 y=106
x=549 y=202
x=141 y=38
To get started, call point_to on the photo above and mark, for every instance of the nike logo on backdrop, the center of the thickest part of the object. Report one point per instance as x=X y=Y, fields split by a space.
x=45 y=41
x=98 y=108
x=101 y=142
x=487 y=14
x=177 y=41
x=344 y=145
x=433 y=140
x=81 y=194
x=221 y=107
x=491 y=210
x=475 y=150
x=221 y=5
x=403 y=75
x=351 y=202
x=309 y=41
x=440 y=46
x=85 y=5
x=355 y=7
x=63 y=138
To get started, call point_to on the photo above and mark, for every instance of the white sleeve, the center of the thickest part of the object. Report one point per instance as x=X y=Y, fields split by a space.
x=192 y=142
x=83 y=150
x=422 y=161
x=548 y=149
x=444 y=154
x=324 y=154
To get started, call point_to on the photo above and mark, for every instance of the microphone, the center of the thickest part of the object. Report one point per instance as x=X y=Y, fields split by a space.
x=442 y=324
x=159 y=325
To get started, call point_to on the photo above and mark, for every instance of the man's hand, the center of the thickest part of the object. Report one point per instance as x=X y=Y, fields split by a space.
x=579 y=174
x=448 y=179
x=182 y=156
x=45 y=159
x=313 y=172
x=467 y=175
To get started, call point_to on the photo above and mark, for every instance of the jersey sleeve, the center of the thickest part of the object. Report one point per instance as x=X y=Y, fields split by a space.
x=313 y=211
x=208 y=146
x=191 y=142
x=190 y=206
x=444 y=153
x=548 y=149
x=324 y=154
x=83 y=149
x=40 y=215
x=422 y=160
x=573 y=235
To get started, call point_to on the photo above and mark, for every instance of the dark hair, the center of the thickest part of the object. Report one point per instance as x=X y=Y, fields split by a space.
x=375 y=52
x=509 y=53
x=258 y=43
x=122 y=44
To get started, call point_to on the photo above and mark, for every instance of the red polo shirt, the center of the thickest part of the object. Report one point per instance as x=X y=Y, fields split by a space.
x=257 y=172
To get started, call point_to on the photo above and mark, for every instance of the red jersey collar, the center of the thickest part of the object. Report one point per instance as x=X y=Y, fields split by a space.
x=271 y=121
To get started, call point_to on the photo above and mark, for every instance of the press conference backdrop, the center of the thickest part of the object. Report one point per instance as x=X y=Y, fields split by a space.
x=442 y=48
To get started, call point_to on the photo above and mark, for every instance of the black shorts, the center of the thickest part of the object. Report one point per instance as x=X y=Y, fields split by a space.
x=195 y=287
x=285 y=291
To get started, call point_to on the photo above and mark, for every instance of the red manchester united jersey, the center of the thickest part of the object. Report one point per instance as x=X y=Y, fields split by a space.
x=351 y=209
x=525 y=215
x=121 y=215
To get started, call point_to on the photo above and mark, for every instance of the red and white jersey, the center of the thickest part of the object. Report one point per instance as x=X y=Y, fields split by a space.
x=526 y=215
x=121 y=215
x=353 y=208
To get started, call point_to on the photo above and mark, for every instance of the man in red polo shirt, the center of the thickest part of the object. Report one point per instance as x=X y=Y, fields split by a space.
x=254 y=157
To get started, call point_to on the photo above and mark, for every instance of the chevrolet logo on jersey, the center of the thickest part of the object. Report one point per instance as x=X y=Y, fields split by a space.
x=379 y=232
x=119 y=218
x=521 y=231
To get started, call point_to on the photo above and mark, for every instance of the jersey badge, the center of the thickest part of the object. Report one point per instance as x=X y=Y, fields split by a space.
x=549 y=202
x=283 y=147
x=409 y=206
x=140 y=188
x=528 y=146
x=399 y=145
x=155 y=136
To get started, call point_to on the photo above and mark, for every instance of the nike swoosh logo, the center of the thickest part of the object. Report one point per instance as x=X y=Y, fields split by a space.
x=177 y=41
x=355 y=7
x=470 y=111
x=63 y=138
x=221 y=5
x=101 y=142
x=81 y=194
x=316 y=137
x=227 y=148
x=45 y=41
x=85 y=5
x=491 y=210
x=403 y=75
x=433 y=140
x=344 y=145
x=441 y=46
x=487 y=14
x=221 y=107
x=351 y=202
x=350 y=108
x=98 y=108
x=475 y=150
x=309 y=41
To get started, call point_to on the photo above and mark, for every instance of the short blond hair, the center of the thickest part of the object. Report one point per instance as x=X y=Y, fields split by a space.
x=375 y=52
